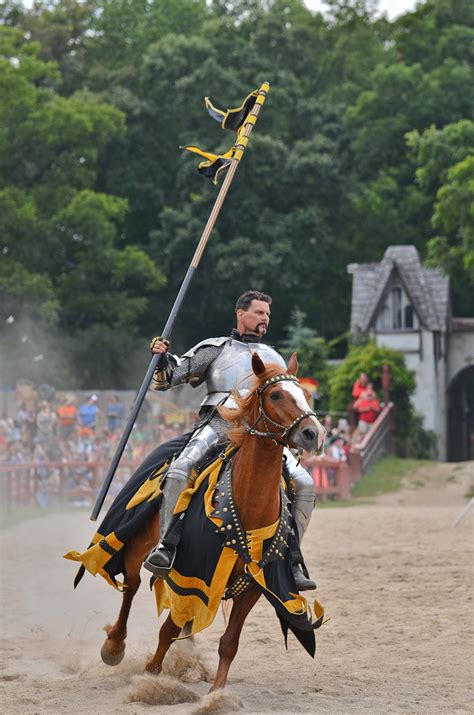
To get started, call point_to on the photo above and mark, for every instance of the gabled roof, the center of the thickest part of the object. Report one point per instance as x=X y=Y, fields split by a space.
x=427 y=288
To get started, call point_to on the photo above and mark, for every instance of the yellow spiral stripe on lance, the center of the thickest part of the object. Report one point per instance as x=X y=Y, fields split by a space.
x=251 y=119
x=262 y=93
x=242 y=140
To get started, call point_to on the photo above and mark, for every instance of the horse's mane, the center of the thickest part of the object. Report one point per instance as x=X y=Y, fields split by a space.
x=247 y=406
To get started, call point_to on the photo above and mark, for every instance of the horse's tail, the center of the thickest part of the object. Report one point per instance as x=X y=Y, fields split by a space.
x=79 y=575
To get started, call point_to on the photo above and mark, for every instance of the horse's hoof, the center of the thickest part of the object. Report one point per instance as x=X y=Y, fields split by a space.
x=111 y=658
x=152 y=668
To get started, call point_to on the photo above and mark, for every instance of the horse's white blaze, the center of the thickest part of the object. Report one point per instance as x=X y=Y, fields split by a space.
x=298 y=395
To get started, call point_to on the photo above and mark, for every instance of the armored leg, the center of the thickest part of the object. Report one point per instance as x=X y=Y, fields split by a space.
x=305 y=499
x=199 y=447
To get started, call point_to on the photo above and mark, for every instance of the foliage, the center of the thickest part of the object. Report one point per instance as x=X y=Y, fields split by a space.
x=63 y=265
x=361 y=145
x=370 y=358
x=445 y=176
x=312 y=352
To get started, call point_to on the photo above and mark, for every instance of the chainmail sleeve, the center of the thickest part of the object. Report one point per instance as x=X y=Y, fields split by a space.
x=191 y=369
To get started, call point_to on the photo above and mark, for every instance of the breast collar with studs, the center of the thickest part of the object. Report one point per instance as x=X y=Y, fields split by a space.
x=285 y=429
x=241 y=542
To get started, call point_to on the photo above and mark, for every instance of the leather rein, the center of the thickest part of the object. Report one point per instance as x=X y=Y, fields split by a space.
x=262 y=415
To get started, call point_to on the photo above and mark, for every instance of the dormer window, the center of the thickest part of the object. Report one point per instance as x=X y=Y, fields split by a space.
x=396 y=301
x=396 y=312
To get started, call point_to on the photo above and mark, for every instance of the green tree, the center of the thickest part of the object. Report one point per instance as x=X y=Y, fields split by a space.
x=63 y=259
x=313 y=353
x=445 y=176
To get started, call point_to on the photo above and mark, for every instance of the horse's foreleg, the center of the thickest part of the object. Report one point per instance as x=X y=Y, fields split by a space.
x=229 y=642
x=113 y=648
x=168 y=631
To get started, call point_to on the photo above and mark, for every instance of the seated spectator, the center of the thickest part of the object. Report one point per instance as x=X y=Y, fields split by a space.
x=368 y=408
x=87 y=416
x=45 y=423
x=115 y=414
x=67 y=417
x=328 y=423
x=336 y=449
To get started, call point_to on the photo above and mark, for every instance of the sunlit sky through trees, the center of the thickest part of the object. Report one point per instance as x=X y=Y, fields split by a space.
x=392 y=8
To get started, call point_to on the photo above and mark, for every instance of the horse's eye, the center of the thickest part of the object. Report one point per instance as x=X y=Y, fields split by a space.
x=275 y=396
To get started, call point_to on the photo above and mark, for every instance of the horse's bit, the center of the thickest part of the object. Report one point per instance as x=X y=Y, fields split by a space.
x=286 y=429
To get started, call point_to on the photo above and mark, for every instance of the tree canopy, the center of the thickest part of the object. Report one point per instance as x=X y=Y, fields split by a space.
x=366 y=141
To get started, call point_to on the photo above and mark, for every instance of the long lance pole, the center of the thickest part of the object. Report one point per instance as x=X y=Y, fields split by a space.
x=158 y=359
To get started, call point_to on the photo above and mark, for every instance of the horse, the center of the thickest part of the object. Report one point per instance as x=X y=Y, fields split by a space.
x=274 y=414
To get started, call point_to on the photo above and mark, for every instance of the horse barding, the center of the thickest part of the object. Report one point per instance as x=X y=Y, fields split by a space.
x=237 y=536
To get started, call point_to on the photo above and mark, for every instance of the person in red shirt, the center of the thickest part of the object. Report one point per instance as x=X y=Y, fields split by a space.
x=360 y=385
x=357 y=389
x=368 y=408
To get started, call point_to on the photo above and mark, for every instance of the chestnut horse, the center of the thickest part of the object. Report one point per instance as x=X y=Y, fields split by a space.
x=274 y=414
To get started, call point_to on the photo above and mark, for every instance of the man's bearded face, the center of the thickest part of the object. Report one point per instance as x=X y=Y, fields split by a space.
x=255 y=319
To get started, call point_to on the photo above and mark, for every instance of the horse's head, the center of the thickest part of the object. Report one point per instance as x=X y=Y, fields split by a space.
x=284 y=414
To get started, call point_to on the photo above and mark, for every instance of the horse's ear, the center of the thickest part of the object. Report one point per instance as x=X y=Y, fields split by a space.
x=293 y=364
x=257 y=365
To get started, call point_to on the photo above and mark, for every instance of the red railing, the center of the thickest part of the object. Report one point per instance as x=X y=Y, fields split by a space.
x=331 y=478
x=377 y=443
x=61 y=483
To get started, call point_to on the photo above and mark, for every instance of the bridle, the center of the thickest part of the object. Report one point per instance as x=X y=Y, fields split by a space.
x=285 y=429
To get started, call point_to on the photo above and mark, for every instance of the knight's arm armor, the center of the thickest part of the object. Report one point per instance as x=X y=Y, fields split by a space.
x=190 y=368
x=224 y=363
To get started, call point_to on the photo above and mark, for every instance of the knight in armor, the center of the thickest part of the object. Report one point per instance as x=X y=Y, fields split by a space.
x=223 y=364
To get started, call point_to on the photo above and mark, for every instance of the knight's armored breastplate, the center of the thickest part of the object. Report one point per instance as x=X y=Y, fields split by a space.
x=232 y=369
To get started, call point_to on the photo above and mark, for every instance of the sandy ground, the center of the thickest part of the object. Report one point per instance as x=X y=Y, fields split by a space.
x=394 y=575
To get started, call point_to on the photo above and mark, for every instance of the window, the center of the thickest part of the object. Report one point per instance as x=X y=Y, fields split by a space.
x=396 y=312
x=396 y=308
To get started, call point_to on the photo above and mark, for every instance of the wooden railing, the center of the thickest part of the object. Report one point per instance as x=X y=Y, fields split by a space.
x=45 y=484
x=61 y=483
x=332 y=479
x=377 y=443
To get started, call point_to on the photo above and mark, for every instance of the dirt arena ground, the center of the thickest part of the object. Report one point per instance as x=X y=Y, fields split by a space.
x=394 y=575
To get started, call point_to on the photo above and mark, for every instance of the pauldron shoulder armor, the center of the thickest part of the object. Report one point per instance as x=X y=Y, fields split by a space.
x=208 y=342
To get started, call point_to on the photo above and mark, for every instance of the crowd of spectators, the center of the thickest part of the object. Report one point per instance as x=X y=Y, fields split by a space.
x=70 y=439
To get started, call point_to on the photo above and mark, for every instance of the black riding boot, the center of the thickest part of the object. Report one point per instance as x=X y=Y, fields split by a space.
x=161 y=558
x=298 y=567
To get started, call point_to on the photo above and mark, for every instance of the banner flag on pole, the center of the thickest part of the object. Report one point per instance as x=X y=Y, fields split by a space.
x=234 y=119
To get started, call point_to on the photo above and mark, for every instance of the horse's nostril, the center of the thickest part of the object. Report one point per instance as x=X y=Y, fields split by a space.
x=309 y=434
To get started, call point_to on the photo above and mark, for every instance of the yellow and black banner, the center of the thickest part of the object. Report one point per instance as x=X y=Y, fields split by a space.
x=215 y=165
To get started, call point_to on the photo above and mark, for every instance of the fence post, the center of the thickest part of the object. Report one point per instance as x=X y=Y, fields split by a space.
x=386 y=384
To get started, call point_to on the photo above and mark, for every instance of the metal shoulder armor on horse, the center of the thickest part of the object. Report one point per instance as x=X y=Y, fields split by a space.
x=225 y=364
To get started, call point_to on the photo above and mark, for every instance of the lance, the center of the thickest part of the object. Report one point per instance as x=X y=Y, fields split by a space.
x=158 y=360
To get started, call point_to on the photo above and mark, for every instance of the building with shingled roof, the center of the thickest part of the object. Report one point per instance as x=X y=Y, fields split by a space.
x=403 y=305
